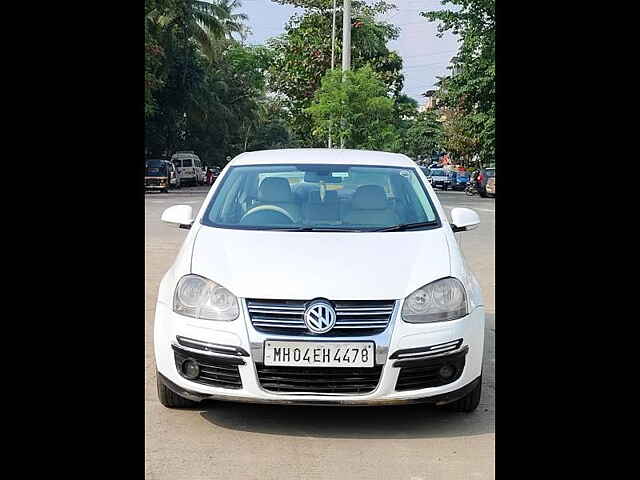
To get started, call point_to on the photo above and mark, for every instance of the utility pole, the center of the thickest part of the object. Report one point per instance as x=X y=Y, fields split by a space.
x=333 y=38
x=333 y=53
x=346 y=44
x=346 y=36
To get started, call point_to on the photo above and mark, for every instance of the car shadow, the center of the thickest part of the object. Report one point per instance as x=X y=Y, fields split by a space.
x=402 y=421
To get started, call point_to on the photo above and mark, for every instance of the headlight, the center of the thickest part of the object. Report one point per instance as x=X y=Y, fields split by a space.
x=439 y=301
x=201 y=298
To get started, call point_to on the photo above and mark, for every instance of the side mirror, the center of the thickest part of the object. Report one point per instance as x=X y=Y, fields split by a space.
x=464 y=219
x=180 y=214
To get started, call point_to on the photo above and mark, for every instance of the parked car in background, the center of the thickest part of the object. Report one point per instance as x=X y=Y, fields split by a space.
x=483 y=179
x=440 y=178
x=491 y=187
x=189 y=168
x=427 y=171
x=215 y=171
x=462 y=178
x=157 y=175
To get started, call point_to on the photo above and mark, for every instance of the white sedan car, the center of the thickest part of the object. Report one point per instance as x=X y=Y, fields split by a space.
x=320 y=276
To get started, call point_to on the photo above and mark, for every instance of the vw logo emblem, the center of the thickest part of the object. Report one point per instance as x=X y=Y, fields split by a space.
x=320 y=317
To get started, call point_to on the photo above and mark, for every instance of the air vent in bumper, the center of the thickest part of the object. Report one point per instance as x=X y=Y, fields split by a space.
x=214 y=371
x=430 y=372
x=319 y=379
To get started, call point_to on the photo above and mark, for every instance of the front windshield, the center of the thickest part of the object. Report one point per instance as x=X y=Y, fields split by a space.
x=320 y=197
x=438 y=173
x=155 y=169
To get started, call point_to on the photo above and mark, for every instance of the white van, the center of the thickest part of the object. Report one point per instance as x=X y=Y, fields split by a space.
x=189 y=168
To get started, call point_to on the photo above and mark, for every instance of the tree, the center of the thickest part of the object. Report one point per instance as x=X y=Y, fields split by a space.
x=356 y=109
x=302 y=56
x=423 y=136
x=468 y=94
x=203 y=92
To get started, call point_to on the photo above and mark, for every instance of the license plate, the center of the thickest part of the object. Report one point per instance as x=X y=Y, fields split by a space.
x=319 y=354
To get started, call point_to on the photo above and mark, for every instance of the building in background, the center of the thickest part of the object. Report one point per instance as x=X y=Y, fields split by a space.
x=430 y=103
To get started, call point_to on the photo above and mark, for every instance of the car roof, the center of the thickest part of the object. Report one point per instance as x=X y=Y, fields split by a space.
x=323 y=156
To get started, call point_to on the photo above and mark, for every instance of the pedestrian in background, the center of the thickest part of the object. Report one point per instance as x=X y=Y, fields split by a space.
x=209 y=176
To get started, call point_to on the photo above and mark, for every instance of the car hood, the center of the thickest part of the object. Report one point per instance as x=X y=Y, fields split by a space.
x=333 y=265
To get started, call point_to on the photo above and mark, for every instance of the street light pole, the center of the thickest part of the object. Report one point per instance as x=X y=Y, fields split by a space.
x=346 y=36
x=346 y=44
x=333 y=38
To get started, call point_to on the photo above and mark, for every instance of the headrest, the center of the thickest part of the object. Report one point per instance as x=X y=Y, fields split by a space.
x=370 y=197
x=275 y=189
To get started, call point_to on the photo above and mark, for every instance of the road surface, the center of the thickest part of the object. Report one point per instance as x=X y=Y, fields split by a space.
x=246 y=441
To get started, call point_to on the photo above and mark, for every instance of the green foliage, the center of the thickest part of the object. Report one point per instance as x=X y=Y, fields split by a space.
x=423 y=136
x=468 y=94
x=203 y=90
x=356 y=109
x=302 y=56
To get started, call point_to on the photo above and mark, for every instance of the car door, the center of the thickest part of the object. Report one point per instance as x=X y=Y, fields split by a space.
x=189 y=169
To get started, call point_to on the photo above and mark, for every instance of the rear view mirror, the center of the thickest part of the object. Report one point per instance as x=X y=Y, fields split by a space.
x=317 y=177
x=463 y=219
x=180 y=214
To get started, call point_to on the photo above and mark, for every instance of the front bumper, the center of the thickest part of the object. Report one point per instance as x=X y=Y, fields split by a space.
x=240 y=333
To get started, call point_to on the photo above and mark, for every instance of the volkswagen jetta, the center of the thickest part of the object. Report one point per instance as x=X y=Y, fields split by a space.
x=320 y=276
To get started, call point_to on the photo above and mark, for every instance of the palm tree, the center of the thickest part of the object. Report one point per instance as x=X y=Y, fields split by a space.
x=233 y=22
x=213 y=42
x=204 y=21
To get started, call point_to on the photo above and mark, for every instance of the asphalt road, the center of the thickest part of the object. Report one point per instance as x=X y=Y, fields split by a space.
x=245 y=441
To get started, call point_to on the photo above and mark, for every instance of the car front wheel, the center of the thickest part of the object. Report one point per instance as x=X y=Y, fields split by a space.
x=469 y=402
x=170 y=399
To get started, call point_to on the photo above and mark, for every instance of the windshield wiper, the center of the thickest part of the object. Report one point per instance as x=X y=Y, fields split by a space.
x=316 y=229
x=406 y=226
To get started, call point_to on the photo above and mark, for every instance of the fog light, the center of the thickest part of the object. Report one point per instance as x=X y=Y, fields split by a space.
x=447 y=371
x=190 y=368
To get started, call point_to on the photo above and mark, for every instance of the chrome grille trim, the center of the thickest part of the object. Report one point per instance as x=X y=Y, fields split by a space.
x=278 y=310
x=271 y=315
x=429 y=351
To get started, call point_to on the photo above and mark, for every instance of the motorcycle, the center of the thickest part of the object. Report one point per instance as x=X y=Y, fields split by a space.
x=471 y=189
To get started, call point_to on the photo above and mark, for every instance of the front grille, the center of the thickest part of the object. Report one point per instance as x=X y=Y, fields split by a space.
x=425 y=373
x=353 y=317
x=214 y=371
x=155 y=182
x=319 y=379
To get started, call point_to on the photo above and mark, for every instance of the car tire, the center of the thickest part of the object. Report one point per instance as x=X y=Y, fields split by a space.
x=483 y=194
x=170 y=399
x=469 y=402
x=445 y=188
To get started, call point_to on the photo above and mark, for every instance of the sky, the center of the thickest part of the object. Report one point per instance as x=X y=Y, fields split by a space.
x=425 y=56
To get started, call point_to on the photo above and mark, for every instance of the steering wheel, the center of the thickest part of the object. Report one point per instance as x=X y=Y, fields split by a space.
x=269 y=208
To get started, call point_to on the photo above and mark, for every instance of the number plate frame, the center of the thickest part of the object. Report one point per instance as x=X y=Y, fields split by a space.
x=335 y=348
